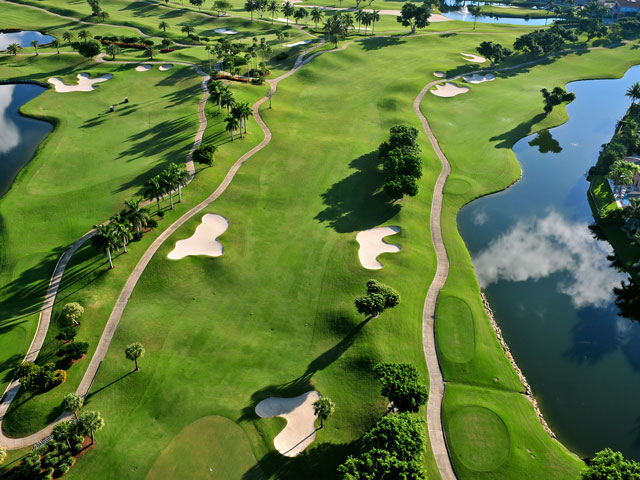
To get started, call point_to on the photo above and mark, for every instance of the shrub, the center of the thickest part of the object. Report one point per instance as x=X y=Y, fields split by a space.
x=148 y=42
x=64 y=467
x=34 y=377
x=77 y=447
x=67 y=334
x=89 y=49
x=73 y=351
x=50 y=460
x=205 y=154
x=59 y=377
x=166 y=50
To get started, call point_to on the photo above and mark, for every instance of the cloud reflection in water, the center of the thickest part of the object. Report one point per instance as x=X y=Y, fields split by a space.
x=10 y=134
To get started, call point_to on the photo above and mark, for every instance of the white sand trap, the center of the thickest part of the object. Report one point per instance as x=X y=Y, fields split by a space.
x=164 y=68
x=85 y=83
x=297 y=43
x=203 y=241
x=469 y=57
x=477 y=78
x=143 y=68
x=449 y=90
x=439 y=74
x=300 y=431
x=225 y=31
x=372 y=244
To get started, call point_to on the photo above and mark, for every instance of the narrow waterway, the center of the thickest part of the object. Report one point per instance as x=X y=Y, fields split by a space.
x=19 y=136
x=551 y=285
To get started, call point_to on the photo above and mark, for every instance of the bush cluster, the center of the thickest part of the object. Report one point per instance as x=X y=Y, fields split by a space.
x=205 y=154
x=401 y=162
x=38 y=378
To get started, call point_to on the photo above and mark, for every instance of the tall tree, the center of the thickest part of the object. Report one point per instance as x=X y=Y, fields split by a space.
x=136 y=214
x=103 y=14
x=113 y=50
x=67 y=36
x=359 y=17
x=316 y=16
x=104 y=241
x=415 y=16
x=163 y=25
x=95 y=6
x=168 y=182
x=476 y=12
x=232 y=125
x=153 y=189
x=133 y=352
x=91 y=422
x=72 y=402
x=287 y=10
x=188 y=29
x=180 y=176
x=227 y=100
x=323 y=408
x=400 y=385
x=244 y=111
x=197 y=3
x=272 y=8
x=250 y=6
x=634 y=92
x=55 y=43
x=375 y=17
x=62 y=431
x=14 y=48
x=300 y=14
x=34 y=44
x=84 y=35
x=121 y=228
x=216 y=89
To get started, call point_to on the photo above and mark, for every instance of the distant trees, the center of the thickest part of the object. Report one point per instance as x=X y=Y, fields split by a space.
x=300 y=14
x=557 y=96
x=55 y=43
x=401 y=162
x=150 y=51
x=72 y=402
x=323 y=408
x=621 y=173
x=336 y=27
x=67 y=36
x=608 y=464
x=493 y=51
x=400 y=384
x=379 y=297
x=188 y=29
x=415 y=16
x=133 y=352
x=272 y=8
x=250 y=6
x=544 y=42
x=476 y=12
x=197 y=3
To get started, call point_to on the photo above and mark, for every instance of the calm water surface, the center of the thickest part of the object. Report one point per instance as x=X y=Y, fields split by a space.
x=550 y=283
x=23 y=39
x=462 y=13
x=19 y=136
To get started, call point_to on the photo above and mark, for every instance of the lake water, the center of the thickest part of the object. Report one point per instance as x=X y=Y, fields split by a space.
x=550 y=283
x=462 y=13
x=23 y=39
x=19 y=136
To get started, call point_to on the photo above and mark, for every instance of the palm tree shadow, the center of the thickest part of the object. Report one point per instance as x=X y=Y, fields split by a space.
x=357 y=202
x=508 y=139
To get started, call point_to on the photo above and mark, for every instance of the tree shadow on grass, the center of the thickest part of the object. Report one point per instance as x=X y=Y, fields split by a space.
x=378 y=43
x=357 y=202
x=508 y=139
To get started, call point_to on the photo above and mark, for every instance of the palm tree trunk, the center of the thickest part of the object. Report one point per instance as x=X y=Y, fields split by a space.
x=138 y=230
x=245 y=124
x=75 y=414
x=232 y=135
x=92 y=440
x=158 y=201
x=109 y=257
x=124 y=244
x=180 y=193
x=171 y=197
x=373 y=28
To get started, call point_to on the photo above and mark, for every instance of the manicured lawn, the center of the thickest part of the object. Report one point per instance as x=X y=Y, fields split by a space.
x=602 y=195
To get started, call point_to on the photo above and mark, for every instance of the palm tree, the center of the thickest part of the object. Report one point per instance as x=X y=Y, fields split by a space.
x=104 y=240
x=153 y=190
x=188 y=29
x=121 y=228
x=34 y=44
x=136 y=214
x=56 y=44
x=244 y=112
x=104 y=15
x=232 y=125
x=181 y=177
x=287 y=10
x=235 y=113
x=476 y=11
x=316 y=15
x=272 y=8
x=90 y=422
x=133 y=352
x=84 y=34
x=62 y=431
x=14 y=48
x=150 y=51
x=366 y=21
x=634 y=92
x=168 y=183
x=359 y=16
x=227 y=100
x=67 y=36
x=112 y=49
x=163 y=26
x=323 y=408
x=375 y=17
x=73 y=402
x=216 y=87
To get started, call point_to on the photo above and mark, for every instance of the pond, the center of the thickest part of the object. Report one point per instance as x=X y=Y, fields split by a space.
x=20 y=135
x=462 y=13
x=551 y=285
x=24 y=39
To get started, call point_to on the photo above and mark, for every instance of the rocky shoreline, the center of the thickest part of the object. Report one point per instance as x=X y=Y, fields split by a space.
x=528 y=392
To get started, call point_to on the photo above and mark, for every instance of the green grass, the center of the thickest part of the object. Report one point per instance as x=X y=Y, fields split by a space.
x=602 y=195
x=491 y=11
x=210 y=448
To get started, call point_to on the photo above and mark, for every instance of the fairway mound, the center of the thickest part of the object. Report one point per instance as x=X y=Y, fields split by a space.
x=439 y=74
x=204 y=240
x=449 y=90
x=85 y=83
x=470 y=57
x=300 y=430
x=477 y=78
x=164 y=68
x=143 y=68
x=225 y=31
x=304 y=42
x=372 y=244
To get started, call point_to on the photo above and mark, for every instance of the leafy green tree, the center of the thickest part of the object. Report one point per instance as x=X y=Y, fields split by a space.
x=84 y=35
x=67 y=334
x=133 y=352
x=91 y=422
x=634 y=92
x=35 y=378
x=415 y=16
x=163 y=25
x=34 y=44
x=205 y=154
x=316 y=16
x=610 y=465
x=400 y=384
x=367 y=21
x=89 y=48
x=104 y=241
x=136 y=214
x=476 y=12
x=272 y=8
x=72 y=312
x=216 y=89
x=14 y=48
x=378 y=298
x=323 y=408
x=621 y=173
x=244 y=111
x=557 y=96
x=300 y=14
x=197 y=3
x=221 y=6
x=188 y=29
x=359 y=17
x=62 y=432
x=95 y=6
x=180 y=177
x=104 y=15
x=169 y=183
x=55 y=43
x=402 y=434
x=336 y=28
x=375 y=17
x=232 y=125
x=73 y=351
x=121 y=229
x=287 y=10
x=495 y=52
x=67 y=36
x=401 y=162
x=72 y=402
x=251 y=6
x=154 y=189
x=150 y=51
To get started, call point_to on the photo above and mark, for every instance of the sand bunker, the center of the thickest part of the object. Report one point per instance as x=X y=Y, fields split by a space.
x=164 y=68
x=203 y=241
x=469 y=57
x=439 y=74
x=477 y=78
x=225 y=31
x=449 y=90
x=297 y=43
x=143 y=68
x=372 y=244
x=300 y=430
x=85 y=83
